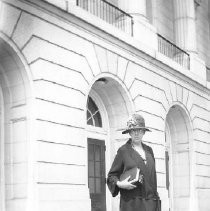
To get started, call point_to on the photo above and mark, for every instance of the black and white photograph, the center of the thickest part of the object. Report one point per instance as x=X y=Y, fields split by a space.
x=104 y=105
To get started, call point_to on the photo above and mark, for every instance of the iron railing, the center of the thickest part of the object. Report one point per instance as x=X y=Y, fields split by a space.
x=208 y=73
x=109 y=13
x=174 y=52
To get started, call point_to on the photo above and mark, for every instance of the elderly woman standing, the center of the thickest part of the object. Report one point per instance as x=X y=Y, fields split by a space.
x=141 y=195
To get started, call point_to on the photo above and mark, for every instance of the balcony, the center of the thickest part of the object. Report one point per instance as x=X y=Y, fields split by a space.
x=118 y=18
x=173 y=52
x=123 y=21
x=109 y=13
x=208 y=73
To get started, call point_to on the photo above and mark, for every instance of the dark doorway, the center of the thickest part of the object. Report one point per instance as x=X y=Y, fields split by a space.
x=96 y=174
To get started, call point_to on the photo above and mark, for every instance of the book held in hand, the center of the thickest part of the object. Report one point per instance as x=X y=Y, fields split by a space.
x=134 y=174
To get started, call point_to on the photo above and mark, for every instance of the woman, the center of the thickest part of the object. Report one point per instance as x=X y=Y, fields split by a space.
x=140 y=196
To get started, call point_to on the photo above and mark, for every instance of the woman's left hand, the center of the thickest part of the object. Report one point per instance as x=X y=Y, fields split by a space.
x=126 y=184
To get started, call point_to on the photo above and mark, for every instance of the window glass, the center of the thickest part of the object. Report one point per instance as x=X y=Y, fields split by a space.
x=98 y=185
x=98 y=169
x=93 y=114
x=91 y=185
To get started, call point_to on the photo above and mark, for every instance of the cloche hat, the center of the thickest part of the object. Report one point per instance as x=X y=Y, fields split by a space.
x=136 y=121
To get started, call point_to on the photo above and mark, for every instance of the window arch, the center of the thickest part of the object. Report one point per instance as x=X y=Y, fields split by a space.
x=93 y=114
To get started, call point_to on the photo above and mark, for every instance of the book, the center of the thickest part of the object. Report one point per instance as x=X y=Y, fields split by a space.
x=134 y=174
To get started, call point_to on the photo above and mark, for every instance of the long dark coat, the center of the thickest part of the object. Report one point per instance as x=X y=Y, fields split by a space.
x=144 y=197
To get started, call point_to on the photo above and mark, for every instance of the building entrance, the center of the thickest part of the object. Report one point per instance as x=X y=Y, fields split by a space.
x=96 y=174
x=178 y=170
x=108 y=107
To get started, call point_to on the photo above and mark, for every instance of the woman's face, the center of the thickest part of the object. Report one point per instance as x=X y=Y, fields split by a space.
x=136 y=134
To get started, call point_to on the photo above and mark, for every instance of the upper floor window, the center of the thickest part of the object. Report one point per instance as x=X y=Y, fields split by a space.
x=93 y=114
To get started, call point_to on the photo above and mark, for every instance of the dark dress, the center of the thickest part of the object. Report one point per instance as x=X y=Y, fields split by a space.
x=144 y=197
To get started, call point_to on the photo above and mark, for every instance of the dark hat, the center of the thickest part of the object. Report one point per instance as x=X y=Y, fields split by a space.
x=136 y=121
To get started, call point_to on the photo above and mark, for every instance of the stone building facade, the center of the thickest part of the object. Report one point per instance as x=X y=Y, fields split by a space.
x=71 y=73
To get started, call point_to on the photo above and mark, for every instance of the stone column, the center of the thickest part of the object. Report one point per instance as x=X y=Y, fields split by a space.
x=185 y=34
x=137 y=8
x=143 y=31
x=184 y=24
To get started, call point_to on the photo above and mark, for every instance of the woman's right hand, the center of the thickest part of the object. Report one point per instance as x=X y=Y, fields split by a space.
x=126 y=184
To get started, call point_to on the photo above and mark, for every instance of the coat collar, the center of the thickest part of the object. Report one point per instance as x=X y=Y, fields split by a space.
x=129 y=143
x=137 y=158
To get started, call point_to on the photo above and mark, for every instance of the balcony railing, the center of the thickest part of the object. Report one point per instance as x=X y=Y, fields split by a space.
x=208 y=73
x=109 y=13
x=174 y=52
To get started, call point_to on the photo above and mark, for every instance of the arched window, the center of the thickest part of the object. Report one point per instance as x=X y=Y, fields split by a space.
x=93 y=114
